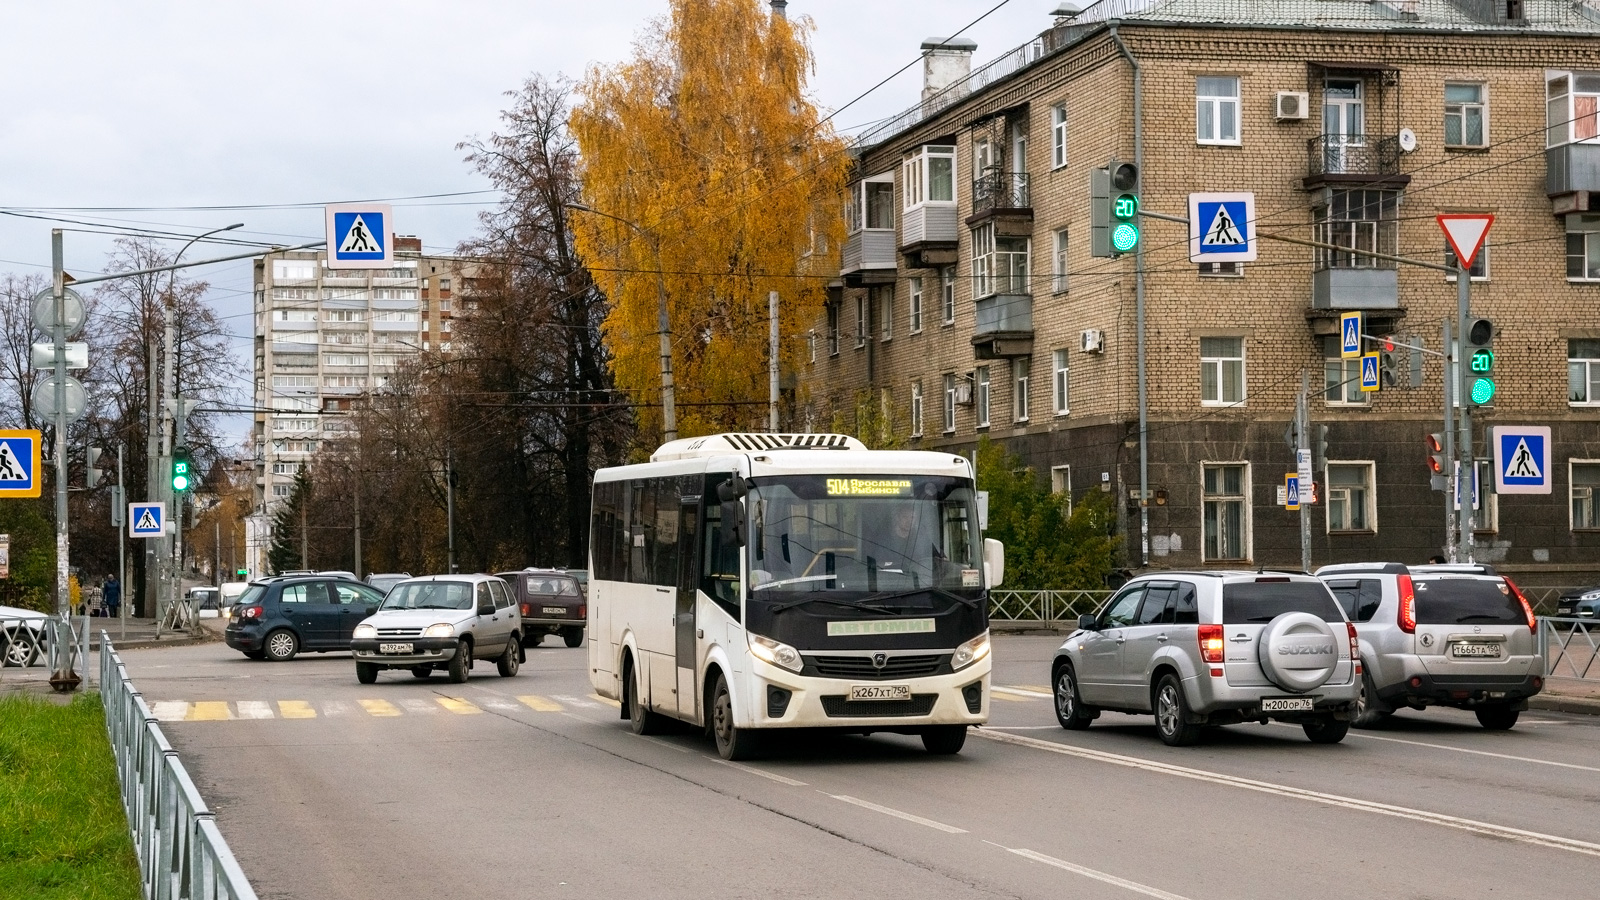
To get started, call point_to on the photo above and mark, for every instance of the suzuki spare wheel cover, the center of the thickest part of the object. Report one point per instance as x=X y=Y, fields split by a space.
x=1298 y=651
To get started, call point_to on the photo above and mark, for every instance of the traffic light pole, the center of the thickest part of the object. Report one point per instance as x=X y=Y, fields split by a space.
x=1467 y=486
x=1449 y=449
x=1302 y=415
x=62 y=676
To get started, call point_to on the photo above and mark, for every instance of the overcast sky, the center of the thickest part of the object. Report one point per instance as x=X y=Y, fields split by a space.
x=150 y=106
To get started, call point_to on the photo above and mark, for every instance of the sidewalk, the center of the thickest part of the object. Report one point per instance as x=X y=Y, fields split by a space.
x=1571 y=695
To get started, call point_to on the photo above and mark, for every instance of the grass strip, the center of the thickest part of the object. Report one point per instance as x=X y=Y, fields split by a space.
x=63 y=834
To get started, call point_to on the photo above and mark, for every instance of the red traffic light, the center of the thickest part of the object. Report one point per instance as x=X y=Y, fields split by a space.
x=1436 y=464
x=1388 y=345
x=1435 y=443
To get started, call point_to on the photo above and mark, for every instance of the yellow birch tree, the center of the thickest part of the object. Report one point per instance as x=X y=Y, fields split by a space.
x=707 y=164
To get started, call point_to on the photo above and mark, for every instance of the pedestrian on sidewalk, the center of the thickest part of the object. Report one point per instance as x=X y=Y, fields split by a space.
x=111 y=595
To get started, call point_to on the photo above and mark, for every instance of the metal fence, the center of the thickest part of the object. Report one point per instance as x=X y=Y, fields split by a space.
x=1570 y=647
x=182 y=854
x=36 y=642
x=1044 y=607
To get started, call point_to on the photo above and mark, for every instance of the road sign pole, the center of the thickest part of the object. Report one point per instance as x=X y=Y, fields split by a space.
x=1468 y=485
x=122 y=552
x=1302 y=415
x=1449 y=449
x=62 y=676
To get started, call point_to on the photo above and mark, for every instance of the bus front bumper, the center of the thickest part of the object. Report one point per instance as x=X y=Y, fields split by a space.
x=784 y=699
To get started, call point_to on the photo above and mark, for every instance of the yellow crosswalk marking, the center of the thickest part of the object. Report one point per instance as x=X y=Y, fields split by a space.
x=209 y=711
x=606 y=700
x=539 y=704
x=379 y=708
x=458 y=706
x=296 y=709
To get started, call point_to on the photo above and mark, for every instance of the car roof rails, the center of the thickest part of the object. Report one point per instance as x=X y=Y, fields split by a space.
x=1379 y=568
x=1456 y=569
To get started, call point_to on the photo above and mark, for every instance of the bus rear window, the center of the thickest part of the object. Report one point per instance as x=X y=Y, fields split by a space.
x=1262 y=601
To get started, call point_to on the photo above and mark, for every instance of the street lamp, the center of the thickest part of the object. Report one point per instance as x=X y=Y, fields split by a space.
x=669 y=410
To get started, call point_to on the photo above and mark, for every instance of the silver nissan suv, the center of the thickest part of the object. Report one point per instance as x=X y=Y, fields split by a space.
x=1447 y=635
x=1213 y=648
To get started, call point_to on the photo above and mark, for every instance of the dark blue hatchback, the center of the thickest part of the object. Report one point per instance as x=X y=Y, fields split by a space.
x=276 y=618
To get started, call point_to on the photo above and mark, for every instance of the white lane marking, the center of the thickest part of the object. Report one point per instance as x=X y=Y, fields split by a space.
x=947 y=829
x=1402 y=812
x=1096 y=874
x=754 y=771
x=418 y=705
x=574 y=701
x=332 y=708
x=663 y=743
x=254 y=709
x=500 y=704
x=1526 y=759
x=1020 y=692
x=170 y=710
x=1025 y=727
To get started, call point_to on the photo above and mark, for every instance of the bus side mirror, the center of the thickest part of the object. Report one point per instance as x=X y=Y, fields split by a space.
x=733 y=523
x=732 y=489
x=994 y=562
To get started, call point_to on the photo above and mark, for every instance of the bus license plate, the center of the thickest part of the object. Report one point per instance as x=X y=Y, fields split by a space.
x=1286 y=704
x=554 y=610
x=1478 y=651
x=394 y=648
x=880 y=692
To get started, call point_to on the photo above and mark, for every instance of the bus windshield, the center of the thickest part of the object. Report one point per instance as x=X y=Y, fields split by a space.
x=862 y=534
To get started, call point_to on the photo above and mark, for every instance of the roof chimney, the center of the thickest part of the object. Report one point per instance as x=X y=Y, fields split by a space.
x=944 y=63
x=778 y=9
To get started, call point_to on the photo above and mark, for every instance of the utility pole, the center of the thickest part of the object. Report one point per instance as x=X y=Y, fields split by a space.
x=1450 y=483
x=1302 y=417
x=62 y=676
x=450 y=510
x=357 y=474
x=772 y=361
x=305 y=545
x=122 y=546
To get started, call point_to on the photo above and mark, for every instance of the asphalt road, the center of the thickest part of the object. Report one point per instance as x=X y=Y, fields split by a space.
x=531 y=786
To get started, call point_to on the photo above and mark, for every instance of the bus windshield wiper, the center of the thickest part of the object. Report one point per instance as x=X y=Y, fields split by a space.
x=930 y=589
x=848 y=604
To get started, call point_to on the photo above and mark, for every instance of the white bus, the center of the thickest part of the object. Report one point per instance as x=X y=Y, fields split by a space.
x=749 y=582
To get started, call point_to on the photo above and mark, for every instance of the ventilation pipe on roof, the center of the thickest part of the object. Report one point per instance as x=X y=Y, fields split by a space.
x=779 y=10
x=946 y=63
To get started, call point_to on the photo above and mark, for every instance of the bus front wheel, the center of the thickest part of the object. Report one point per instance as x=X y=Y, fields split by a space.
x=944 y=740
x=733 y=743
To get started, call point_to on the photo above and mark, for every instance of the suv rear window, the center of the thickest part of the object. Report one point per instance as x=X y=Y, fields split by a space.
x=1360 y=598
x=1262 y=601
x=1456 y=601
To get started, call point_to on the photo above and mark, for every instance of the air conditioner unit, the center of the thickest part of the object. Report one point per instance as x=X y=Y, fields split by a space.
x=1093 y=340
x=963 y=393
x=1292 y=105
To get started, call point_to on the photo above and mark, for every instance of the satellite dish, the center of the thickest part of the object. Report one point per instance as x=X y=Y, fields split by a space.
x=1408 y=140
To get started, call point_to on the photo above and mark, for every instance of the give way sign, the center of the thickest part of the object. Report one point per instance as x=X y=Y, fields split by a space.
x=1465 y=232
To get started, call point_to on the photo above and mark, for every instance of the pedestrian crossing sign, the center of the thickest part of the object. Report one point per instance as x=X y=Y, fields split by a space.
x=1349 y=335
x=1521 y=459
x=147 y=520
x=19 y=464
x=360 y=236
x=1220 y=225
x=1369 y=372
x=1291 y=491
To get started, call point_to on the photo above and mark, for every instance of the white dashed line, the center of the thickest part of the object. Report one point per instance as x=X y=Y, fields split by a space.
x=947 y=829
x=754 y=771
x=1096 y=874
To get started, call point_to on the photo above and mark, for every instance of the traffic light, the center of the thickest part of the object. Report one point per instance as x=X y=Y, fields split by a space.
x=1113 y=209
x=1479 y=353
x=93 y=473
x=1436 y=460
x=182 y=469
x=1388 y=364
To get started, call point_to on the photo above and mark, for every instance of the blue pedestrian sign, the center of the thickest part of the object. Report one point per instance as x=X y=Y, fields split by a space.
x=1369 y=372
x=360 y=236
x=147 y=520
x=1350 y=335
x=1291 y=491
x=1220 y=225
x=1521 y=459
x=19 y=464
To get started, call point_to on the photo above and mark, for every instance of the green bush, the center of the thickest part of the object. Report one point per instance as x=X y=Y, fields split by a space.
x=1051 y=542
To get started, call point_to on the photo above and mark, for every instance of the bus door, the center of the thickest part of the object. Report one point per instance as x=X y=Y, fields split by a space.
x=684 y=619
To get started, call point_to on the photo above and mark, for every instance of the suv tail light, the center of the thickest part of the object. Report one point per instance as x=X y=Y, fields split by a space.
x=1527 y=609
x=583 y=610
x=1408 y=606
x=525 y=609
x=250 y=612
x=1355 y=647
x=1211 y=643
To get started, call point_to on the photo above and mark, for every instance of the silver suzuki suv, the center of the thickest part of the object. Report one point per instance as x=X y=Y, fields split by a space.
x=1213 y=648
x=1447 y=635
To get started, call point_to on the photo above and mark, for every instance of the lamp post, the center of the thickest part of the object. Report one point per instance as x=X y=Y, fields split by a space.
x=669 y=411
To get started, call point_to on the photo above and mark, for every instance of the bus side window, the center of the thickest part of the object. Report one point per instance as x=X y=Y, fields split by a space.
x=719 y=563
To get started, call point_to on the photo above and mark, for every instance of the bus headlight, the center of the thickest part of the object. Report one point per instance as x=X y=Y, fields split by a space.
x=775 y=652
x=365 y=633
x=439 y=629
x=970 y=652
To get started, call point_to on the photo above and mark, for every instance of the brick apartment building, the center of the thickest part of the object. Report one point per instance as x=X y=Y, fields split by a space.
x=969 y=303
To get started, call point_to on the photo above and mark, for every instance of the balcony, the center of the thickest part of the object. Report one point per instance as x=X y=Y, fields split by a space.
x=928 y=234
x=1004 y=327
x=869 y=257
x=997 y=193
x=1369 y=160
x=1572 y=168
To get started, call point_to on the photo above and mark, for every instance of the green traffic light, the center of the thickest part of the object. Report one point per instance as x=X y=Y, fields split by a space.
x=1482 y=390
x=1125 y=207
x=180 y=475
x=1482 y=361
x=1124 y=237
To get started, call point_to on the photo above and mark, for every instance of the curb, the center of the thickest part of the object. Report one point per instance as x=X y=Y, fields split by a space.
x=148 y=643
x=1558 y=703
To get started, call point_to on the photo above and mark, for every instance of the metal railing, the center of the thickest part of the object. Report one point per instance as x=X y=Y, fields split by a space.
x=1571 y=647
x=33 y=642
x=994 y=189
x=182 y=854
x=1340 y=154
x=1044 y=607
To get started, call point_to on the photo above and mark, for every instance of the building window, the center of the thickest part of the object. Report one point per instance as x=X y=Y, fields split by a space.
x=999 y=263
x=929 y=176
x=1222 y=270
x=1583 y=248
x=1465 y=115
x=1572 y=100
x=1221 y=371
x=1059 y=270
x=915 y=285
x=1226 y=514
x=949 y=404
x=1583 y=372
x=833 y=329
x=862 y=321
x=444 y=284
x=1480 y=263
x=982 y=156
x=947 y=293
x=1585 y=480
x=1021 y=372
x=811 y=344
x=916 y=409
x=1058 y=383
x=882 y=297
x=983 y=396
x=1061 y=480
x=1341 y=378
x=871 y=204
x=1019 y=147
x=294 y=269
x=1058 y=136
x=1216 y=110
x=1350 y=499
x=1361 y=220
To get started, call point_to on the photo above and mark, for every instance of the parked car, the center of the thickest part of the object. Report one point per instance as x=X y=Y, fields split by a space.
x=387 y=580
x=1446 y=635
x=339 y=573
x=205 y=601
x=277 y=618
x=1579 y=603
x=1212 y=648
x=551 y=601
x=440 y=621
x=21 y=635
